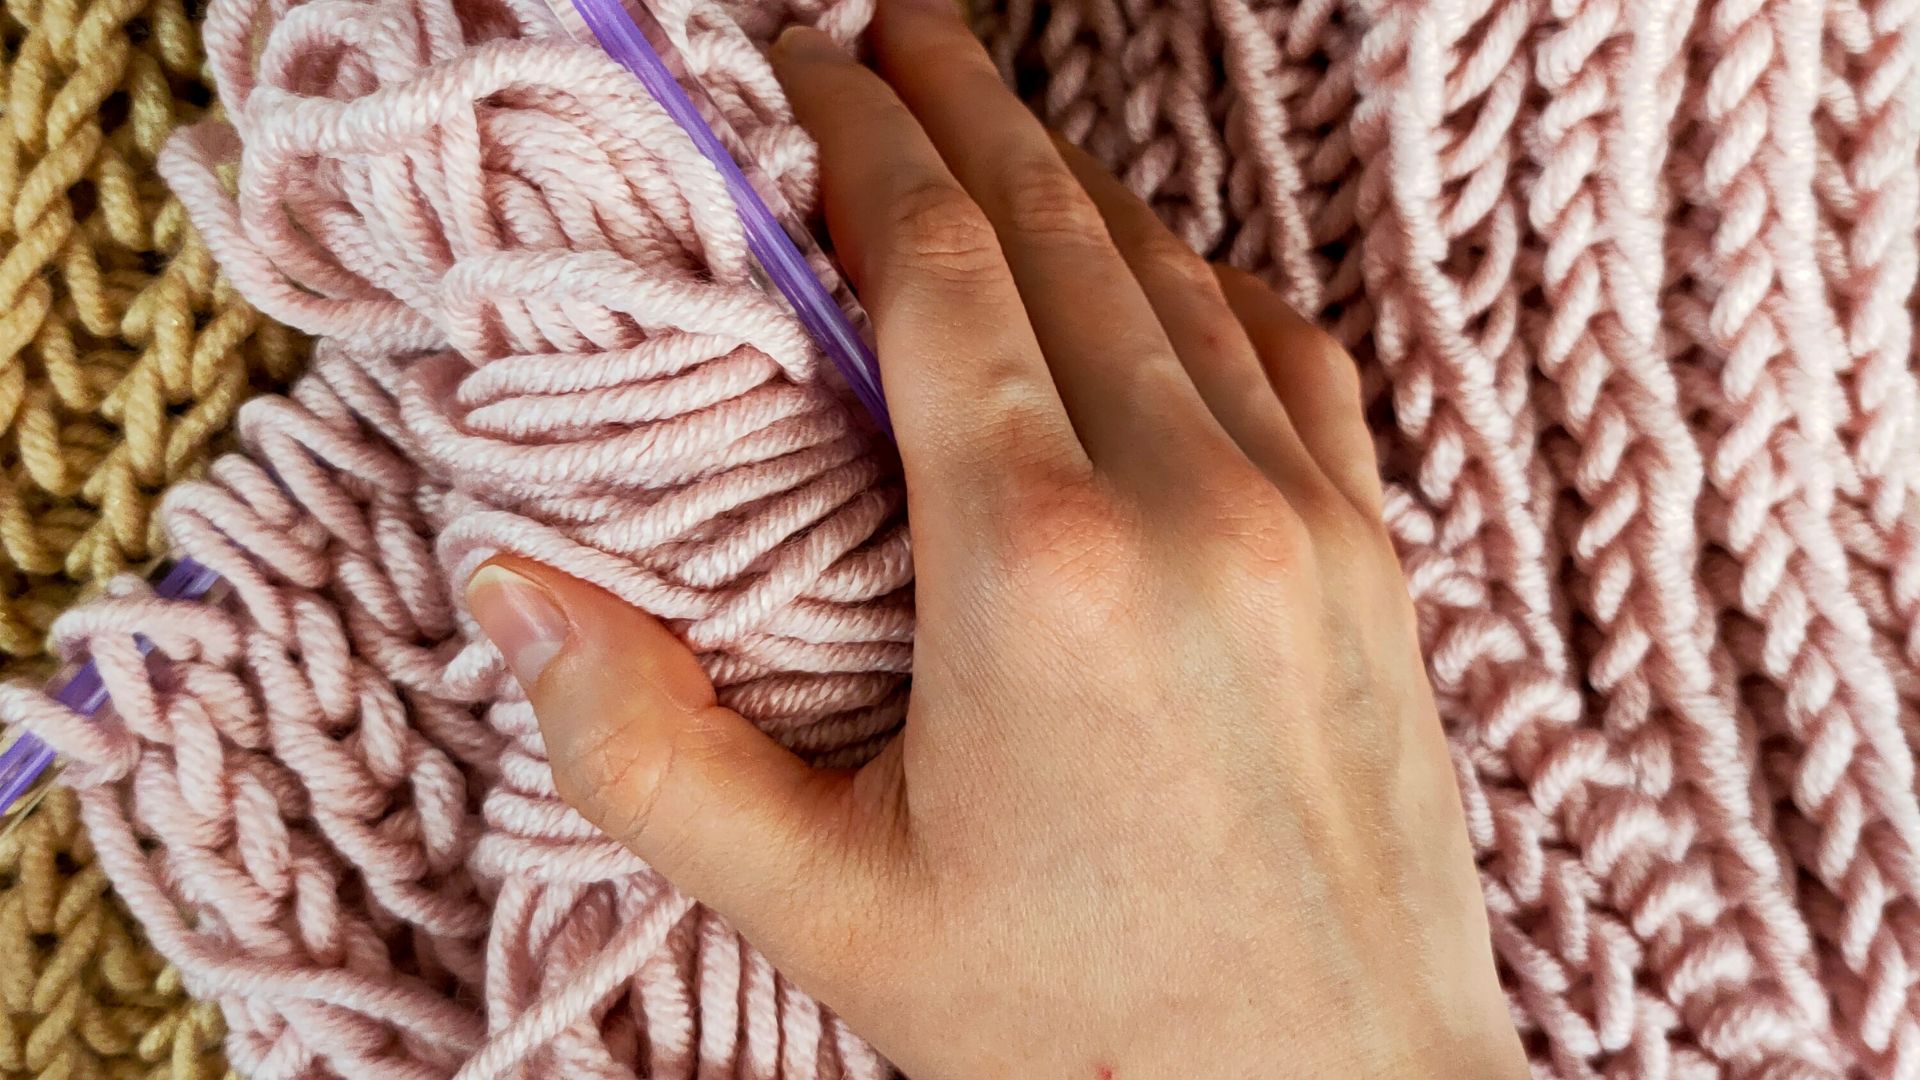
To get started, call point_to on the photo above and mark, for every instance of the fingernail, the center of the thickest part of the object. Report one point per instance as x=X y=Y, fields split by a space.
x=520 y=618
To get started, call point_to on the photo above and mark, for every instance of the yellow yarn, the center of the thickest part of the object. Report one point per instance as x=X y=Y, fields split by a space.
x=122 y=353
x=81 y=995
x=123 y=356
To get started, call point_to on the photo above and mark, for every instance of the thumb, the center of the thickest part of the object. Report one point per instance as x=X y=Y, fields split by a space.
x=642 y=749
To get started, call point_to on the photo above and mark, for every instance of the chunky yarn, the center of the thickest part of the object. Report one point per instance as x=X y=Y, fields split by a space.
x=81 y=992
x=1631 y=284
x=329 y=808
x=123 y=355
x=122 y=352
x=1631 y=288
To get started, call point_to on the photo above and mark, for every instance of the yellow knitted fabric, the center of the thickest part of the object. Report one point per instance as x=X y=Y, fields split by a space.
x=122 y=357
x=81 y=995
x=122 y=353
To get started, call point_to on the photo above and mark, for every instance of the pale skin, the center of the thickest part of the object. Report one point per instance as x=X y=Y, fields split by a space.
x=1172 y=797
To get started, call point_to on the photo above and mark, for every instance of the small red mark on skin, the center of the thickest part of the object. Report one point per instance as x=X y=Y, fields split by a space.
x=1104 y=1072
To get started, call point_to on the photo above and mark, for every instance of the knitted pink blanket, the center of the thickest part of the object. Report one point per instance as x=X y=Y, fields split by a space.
x=1631 y=283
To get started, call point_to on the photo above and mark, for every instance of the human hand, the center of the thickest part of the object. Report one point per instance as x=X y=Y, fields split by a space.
x=1172 y=797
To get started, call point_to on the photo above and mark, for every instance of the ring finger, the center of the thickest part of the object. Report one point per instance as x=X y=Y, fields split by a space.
x=1133 y=405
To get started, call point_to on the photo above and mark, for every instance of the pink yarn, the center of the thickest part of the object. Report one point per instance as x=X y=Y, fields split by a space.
x=1632 y=289
x=1630 y=284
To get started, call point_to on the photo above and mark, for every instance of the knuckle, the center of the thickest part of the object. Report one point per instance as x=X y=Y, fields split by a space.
x=1167 y=257
x=1044 y=503
x=1043 y=200
x=1265 y=531
x=1005 y=431
x=943 y=53
x=619 y=778
x=1313 y=352
x=612 y=780
x=1067 y=549
x=1343 y=531
x=1340 y=367
x=1292 y=346
x=941 y=231
x=1256 y=540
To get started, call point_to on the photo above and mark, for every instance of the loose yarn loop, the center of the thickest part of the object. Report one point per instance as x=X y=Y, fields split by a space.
x=1631 y=288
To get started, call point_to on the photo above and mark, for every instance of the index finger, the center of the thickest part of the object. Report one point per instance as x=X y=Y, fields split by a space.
x=966 y=383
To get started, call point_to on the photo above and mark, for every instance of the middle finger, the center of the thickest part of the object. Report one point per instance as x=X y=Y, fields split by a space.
x=1129 y=398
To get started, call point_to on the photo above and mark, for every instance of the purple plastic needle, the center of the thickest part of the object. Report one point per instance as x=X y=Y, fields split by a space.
x=614 y=27
x=23 y=762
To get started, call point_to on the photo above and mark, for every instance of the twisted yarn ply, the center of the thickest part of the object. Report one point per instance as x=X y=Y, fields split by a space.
x=329 y=808
x=122 y=356
x=122 y=352
x=1631 y=287
x=81 y=992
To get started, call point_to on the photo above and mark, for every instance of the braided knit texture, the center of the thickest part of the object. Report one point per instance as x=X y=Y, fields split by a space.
x=122 y=352
x=1631 y=285
x=123 y=355
x=82 y=995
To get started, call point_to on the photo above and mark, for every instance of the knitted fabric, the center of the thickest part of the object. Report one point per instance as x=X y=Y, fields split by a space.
x=122 y=353
x=81 y=993
x=1631 y=288
x=122 y=356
